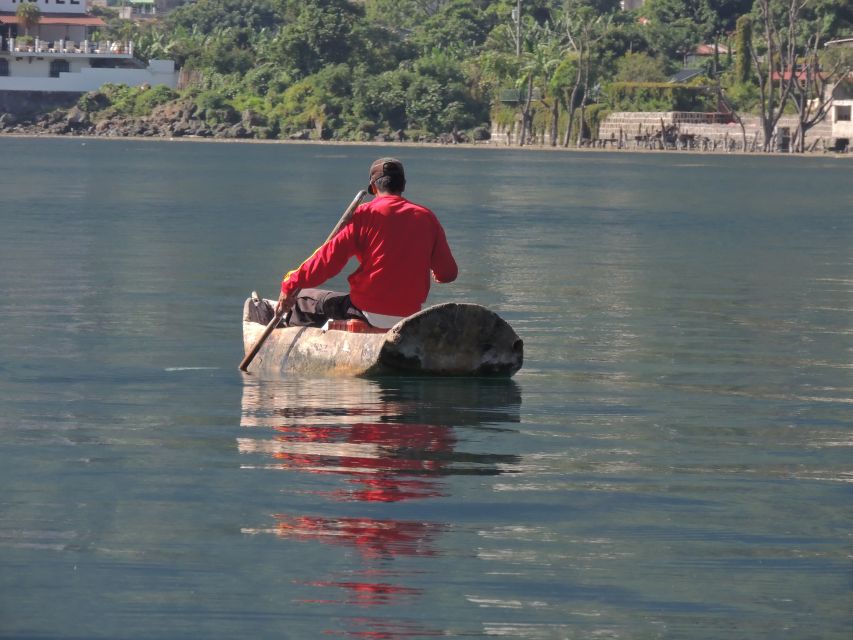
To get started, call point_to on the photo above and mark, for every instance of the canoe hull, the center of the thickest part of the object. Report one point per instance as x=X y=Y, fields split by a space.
x=449 y=339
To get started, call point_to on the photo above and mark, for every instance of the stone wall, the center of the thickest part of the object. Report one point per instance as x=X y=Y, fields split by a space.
x=706 y=130
x=24 y=103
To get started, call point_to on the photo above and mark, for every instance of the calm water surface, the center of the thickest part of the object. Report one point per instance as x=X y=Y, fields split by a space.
x=672 y=462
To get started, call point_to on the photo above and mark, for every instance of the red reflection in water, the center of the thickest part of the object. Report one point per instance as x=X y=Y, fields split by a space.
x=377 y=462
x=365 y=594
x=378 y=629
x=385 y=462
x=373 y=538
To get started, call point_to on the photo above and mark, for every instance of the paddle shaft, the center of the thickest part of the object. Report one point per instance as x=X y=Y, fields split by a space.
x=244 y=364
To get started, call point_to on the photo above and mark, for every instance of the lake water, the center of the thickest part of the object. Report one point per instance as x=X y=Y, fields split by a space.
x=673 y=461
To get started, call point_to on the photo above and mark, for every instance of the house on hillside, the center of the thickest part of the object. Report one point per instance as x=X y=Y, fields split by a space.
x=138 y=10
x=842 y=106
x=703 y=52
x=58 y=53
x=842 y=103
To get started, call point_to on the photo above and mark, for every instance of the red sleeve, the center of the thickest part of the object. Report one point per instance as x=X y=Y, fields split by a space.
x=443 y=264
x=326 y=262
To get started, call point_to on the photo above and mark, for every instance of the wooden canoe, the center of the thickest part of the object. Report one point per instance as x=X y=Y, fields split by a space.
x=448 y=339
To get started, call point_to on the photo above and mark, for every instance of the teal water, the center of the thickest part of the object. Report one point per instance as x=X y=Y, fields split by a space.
x=673 y=461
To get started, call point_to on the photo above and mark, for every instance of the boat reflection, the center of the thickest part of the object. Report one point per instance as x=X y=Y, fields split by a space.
x=391 y=442
x=372 y=441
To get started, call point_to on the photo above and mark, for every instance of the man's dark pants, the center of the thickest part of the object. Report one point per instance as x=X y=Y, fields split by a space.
x=314 y=306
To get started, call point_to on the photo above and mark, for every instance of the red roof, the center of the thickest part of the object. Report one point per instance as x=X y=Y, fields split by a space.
x=801 y=74
x=74 y=19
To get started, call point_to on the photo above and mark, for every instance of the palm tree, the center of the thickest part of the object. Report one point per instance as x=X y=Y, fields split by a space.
x=28 y=15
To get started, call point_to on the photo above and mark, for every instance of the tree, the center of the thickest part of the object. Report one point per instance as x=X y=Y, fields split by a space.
x=28 y=15
x=675 y=27
x=639 y=67
x=584 y=26
x=318 y=34
x=812 y=94
x=458 y=27
x=208 y=16
x=776 y=71
x=743 y=46
x=547 y=57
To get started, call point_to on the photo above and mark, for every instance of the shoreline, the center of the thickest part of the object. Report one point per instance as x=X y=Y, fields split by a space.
x=423 y=145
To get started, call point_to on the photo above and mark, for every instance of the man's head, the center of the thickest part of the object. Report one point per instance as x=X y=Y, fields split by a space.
x=387 y=176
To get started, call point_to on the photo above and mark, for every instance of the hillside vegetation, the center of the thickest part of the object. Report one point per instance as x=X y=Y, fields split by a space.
x=421 y=69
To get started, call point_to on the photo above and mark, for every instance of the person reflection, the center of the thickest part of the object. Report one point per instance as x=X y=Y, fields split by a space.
x=374 y=435
x=383 y=462
x=374 y=442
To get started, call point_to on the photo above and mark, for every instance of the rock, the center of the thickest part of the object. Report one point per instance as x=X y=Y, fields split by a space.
x=253 y=119
x=7 y=121
x=239 y=131
x=101 y=127
x=305 y=134
x=76 y=118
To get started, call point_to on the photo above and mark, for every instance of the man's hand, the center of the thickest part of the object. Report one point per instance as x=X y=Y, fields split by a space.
x=285 y=303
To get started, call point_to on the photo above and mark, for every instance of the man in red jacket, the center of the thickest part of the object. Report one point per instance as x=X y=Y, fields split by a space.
x=398 y=244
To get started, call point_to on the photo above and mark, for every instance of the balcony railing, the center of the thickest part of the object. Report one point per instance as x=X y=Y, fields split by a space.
x=66 y=47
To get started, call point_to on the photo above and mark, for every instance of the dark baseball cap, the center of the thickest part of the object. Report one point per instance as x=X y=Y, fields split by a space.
x=390 y=167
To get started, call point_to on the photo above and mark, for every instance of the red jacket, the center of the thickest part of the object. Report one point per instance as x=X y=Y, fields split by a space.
x=398 y=244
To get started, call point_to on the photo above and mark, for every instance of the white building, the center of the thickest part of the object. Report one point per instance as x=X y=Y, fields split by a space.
x=842 y=113
x=59 y=53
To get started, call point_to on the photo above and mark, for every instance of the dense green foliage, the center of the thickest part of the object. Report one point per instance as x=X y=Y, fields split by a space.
x=657 y=96
x=422 y=68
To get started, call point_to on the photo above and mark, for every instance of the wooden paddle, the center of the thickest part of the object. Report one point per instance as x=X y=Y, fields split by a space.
x=244 y=365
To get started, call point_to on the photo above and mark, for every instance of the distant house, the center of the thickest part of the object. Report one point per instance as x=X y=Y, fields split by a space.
x=703 y=52
x=842 y=106
x=138 y=9
x=62 y=52
x=842 y=103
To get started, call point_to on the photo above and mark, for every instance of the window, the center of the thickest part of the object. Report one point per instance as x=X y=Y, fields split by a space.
x=4 y=67
x=57 y=67
x=842 y=113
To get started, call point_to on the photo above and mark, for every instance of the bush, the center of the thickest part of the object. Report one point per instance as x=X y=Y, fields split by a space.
x=93 y=101
x=479 y=134
x=121 y=98
x=152 y=97
x=744 y=96
x=209 y=100
x=657 y=96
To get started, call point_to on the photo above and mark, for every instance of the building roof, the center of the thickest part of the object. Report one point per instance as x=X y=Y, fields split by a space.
x=683 y=75
x=841 y=42
x=800 y=74
x=83 y=20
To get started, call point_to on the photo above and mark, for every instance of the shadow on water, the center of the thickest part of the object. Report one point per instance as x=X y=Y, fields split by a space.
x=371 y=442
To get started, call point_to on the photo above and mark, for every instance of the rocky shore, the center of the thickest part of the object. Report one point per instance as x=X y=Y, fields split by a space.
x=182 y=119
x=168 y=121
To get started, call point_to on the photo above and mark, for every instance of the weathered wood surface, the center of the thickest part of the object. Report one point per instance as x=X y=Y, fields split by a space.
x=449 y=339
